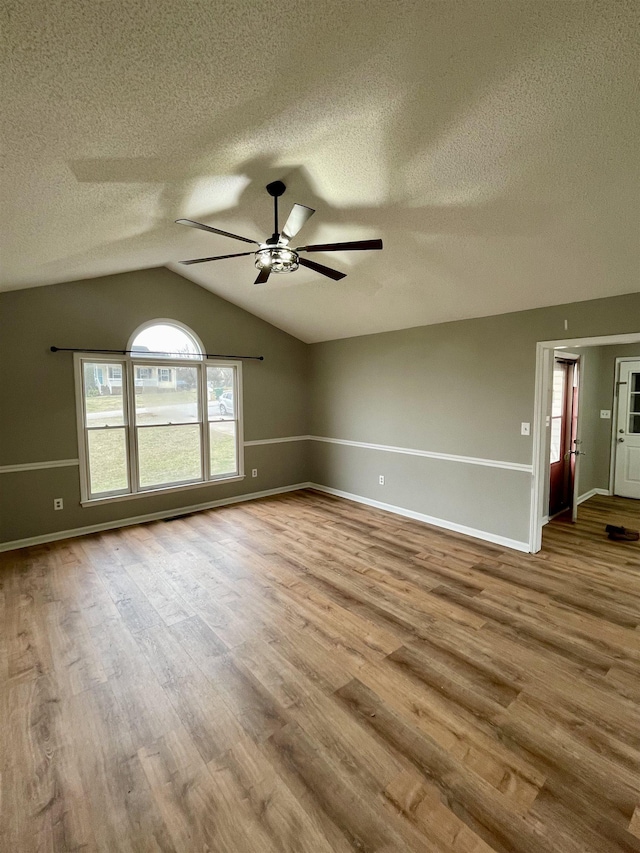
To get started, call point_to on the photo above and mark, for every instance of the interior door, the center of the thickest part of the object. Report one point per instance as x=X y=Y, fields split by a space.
x=564 y=439
x=627 y=445
x=575 y=451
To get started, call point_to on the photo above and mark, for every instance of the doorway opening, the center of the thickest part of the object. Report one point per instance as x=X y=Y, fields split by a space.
x=546 y=353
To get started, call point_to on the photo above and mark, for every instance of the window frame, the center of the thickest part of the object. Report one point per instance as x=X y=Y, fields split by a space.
x=129 y=364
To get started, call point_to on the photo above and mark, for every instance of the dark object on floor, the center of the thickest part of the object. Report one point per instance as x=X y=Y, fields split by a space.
x=622 y=534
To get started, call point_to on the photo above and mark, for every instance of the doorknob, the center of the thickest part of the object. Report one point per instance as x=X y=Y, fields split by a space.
x=620 y=440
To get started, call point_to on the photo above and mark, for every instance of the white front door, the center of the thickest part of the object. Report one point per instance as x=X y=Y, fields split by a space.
x=627 y=467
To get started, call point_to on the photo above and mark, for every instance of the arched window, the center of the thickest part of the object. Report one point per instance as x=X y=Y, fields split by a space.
x=165 y=339
x=162 y=417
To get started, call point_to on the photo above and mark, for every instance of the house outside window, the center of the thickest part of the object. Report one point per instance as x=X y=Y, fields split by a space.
x=163 y=418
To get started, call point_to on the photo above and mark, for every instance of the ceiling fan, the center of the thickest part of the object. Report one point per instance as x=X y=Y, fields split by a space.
x=275 y=255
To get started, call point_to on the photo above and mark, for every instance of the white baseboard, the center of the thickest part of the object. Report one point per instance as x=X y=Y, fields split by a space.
x=171 y=513
x=515 y=544
x=140 y=519
x=591 y=493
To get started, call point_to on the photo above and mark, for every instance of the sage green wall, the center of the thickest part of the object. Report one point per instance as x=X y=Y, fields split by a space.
x=38 y=421
x=597 y=392
x=459 y=388
x=591 y=472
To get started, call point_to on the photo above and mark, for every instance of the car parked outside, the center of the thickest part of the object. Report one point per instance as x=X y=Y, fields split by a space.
x=226 y=403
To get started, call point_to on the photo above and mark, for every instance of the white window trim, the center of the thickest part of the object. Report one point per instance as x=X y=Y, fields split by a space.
x=129 y=363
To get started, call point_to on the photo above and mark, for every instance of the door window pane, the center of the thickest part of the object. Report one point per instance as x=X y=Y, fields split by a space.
x=222 y=448
x=107 y=460
x=557 y=407
x=221 y=393
x=169 y=454
x=634 y=399
x=559 y=374
x=103 y=394
x=556 y=436
x=167 y=395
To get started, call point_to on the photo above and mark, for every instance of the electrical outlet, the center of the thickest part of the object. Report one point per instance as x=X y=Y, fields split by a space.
x=58 y=503
x=605 y=414
x=254 y=472
x=525 y=429
x=381 y=479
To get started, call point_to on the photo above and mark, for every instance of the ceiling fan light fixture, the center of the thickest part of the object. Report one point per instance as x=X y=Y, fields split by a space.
x=278 y=259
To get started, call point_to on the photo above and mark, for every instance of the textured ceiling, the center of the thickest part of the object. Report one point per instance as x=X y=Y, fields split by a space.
x=492 y=145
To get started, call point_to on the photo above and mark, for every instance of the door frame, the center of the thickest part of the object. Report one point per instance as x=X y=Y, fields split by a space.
x=614 y=419
x=544 y=367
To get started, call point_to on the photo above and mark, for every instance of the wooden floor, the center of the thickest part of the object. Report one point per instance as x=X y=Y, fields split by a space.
x=307 y=674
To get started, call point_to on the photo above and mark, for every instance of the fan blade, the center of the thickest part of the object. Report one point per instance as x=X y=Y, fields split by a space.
x=297 y=218
x=202 y=227
x=334 y=274
x=217 y=258
x=342 y=247
x=263 y=275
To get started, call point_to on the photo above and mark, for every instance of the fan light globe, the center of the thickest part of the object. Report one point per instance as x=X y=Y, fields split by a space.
x=277 y=258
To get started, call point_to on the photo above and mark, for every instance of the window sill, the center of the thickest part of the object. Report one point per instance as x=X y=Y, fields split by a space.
x=161 y=491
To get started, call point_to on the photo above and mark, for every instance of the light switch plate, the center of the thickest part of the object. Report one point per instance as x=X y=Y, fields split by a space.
x=605 y=413
x=525 y=429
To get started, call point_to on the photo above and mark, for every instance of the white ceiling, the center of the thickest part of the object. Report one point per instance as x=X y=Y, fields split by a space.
x=492 y=145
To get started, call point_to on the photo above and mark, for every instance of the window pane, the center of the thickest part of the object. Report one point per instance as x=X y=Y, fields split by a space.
x=559 y=374
x=222 y=448
x=169 y=454
x=166 y=395
x=221 y=393
x=107 y=460
x=164 y=340
x=103 y=394
x=556 y=429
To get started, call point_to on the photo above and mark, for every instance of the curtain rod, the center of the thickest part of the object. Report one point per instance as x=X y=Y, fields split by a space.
x=143 y=353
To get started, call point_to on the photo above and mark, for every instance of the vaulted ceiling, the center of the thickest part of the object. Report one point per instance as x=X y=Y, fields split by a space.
x=492 y=145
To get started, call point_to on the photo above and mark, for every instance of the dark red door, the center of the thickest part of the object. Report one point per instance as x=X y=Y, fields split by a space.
x=564 y=416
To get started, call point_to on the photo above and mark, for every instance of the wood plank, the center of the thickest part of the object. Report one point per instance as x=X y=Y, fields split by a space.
x=302 y=674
